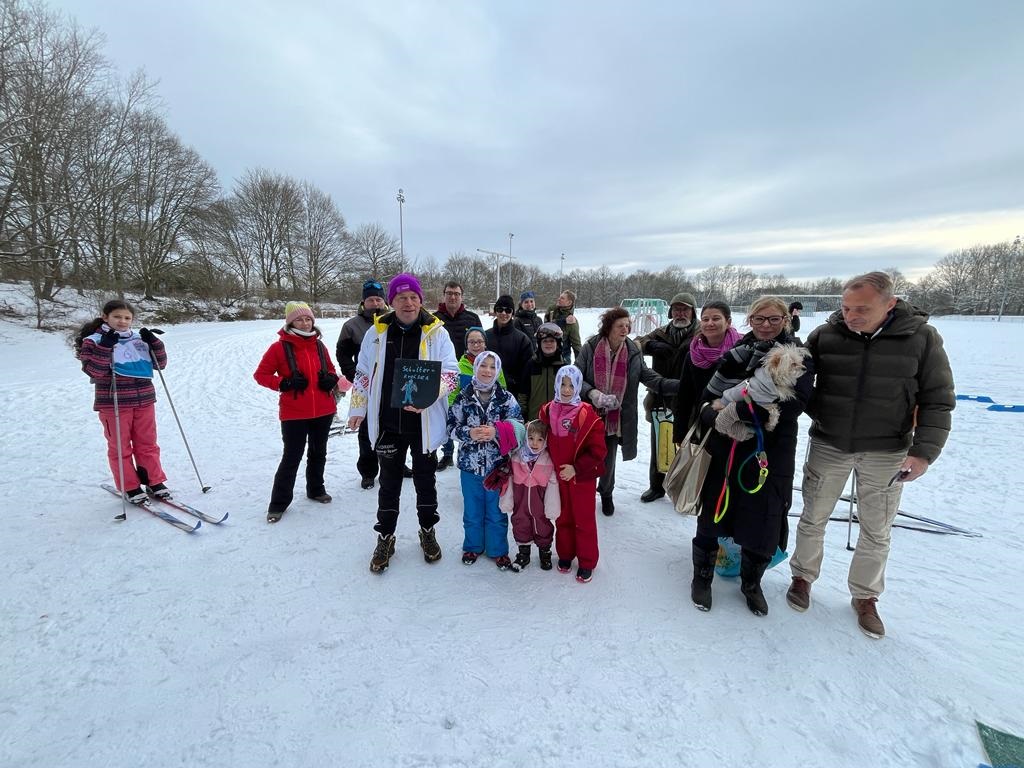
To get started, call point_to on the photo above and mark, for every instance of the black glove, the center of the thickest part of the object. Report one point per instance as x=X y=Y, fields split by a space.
x=294 y=383
x=147 y=335
x=327 y=381
x=109 y=338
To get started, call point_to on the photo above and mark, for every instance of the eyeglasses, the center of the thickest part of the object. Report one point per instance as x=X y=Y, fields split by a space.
x=453 y=293
x=371 y=284
x=502 y=311
x=471 y=342
x=765 y=320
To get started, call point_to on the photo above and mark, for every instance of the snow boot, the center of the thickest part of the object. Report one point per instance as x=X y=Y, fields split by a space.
x=505 y=563
x=607 y=506
x=382 y=553
x=703 y=575
x=564 y=566
x=366 y=483
x=274 y=515
x=136 y=496
x=468 y=558
x=444 y=463
x=323 y=497
x=751 y=571
x=545 y=559
x=160 y=490
x=429 y=545
x=523 y=558
x=583 y=575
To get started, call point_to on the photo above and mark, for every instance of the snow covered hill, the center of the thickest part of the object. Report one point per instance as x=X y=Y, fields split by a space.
x=130 y=644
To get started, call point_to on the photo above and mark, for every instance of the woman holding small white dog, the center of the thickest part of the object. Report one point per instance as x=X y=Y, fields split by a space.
x=758 y=390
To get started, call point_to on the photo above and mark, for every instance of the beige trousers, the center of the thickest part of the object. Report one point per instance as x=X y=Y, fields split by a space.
x=825 y=475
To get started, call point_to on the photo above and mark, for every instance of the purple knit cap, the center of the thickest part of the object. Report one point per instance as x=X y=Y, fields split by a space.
x=403 y=281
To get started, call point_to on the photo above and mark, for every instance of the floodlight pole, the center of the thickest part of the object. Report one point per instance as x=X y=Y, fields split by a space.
x=561 y=268
x=401 y=225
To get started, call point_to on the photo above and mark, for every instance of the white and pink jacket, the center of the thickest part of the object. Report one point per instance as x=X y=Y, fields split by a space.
x=533 y=490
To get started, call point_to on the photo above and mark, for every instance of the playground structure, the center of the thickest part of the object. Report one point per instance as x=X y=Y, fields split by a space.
x=645 y=314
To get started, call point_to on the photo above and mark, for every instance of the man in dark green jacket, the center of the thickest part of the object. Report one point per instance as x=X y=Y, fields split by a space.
x=881 y=409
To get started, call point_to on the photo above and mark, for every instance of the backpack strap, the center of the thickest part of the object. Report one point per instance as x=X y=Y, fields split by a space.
x=289 y=355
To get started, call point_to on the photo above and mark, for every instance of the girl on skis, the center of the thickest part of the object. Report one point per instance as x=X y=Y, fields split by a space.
x=577 y=447
x=299 y=367
x=481 y=419
x=531 y=496
x=119 y=362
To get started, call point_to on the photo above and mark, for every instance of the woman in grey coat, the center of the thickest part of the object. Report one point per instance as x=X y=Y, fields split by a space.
x=613 y=367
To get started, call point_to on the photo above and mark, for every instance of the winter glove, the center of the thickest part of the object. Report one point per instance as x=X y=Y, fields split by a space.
x=327 y=381
x=109 y=338
x=607 y=402
x=294 y=383
x=147 y=335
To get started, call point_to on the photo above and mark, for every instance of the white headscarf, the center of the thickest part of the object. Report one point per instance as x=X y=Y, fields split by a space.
x=575 y=376
x=479 y=385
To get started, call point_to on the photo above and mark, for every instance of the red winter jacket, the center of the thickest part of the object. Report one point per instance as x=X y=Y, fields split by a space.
x=584 y=447
x=312 y=402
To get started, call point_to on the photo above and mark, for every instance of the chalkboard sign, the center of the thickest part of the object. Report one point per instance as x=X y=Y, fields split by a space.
x=417 y=383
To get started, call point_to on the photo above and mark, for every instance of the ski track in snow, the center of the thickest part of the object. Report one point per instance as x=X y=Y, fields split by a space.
x=247 y=644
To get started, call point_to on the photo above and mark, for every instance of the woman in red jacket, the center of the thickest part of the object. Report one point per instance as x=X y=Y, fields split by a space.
x=300 y=368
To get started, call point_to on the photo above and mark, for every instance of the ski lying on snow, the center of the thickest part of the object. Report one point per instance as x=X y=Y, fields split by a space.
x=164 y=515
x=181 y=507
x=335 y=431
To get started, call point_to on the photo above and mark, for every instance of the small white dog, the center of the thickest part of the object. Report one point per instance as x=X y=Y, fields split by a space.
x=772 y=383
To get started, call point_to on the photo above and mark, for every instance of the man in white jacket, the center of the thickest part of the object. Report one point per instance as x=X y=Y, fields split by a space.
x=409 y=332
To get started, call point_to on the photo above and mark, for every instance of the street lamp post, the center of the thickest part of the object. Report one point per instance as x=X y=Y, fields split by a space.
x=401 y=225
x=561 y=268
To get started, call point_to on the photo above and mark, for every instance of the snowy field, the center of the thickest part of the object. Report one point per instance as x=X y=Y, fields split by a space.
x=134 y=644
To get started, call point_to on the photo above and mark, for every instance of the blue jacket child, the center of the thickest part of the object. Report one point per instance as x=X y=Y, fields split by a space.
x=481 y=419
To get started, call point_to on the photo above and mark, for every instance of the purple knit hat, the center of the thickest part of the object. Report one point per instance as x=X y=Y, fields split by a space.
x=403 y=281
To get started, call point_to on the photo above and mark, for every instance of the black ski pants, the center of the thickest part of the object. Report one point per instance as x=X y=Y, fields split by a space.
x=296 y=435
x=366 y=464
x=391 y=450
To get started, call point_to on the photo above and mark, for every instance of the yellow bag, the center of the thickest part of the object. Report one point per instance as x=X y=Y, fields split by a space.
x=664 y=423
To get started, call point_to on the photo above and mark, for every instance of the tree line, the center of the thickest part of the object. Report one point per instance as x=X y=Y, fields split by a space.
x=96 y=191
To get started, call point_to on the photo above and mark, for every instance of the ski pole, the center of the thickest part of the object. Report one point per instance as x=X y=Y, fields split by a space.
x=853 y=503
x=117 y=436
x=174 y=410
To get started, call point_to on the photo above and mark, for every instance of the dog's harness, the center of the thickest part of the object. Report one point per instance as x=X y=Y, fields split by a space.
x=759 y=454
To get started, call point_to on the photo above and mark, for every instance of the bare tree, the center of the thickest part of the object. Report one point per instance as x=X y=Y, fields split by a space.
x=269 y=208
x=375 y=251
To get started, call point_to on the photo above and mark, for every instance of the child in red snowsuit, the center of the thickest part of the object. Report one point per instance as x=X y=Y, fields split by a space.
x=577 y=448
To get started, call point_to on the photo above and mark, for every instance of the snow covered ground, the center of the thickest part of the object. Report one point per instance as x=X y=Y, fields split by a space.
x=129 y=644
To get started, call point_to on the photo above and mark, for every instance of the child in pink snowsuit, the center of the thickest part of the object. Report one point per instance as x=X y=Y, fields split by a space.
x=531 y=496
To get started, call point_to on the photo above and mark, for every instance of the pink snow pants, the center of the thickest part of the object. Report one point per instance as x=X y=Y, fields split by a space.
x=138 y=445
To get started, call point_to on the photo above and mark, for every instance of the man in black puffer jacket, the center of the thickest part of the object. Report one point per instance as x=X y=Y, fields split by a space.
x=881 y=408
x=527 y=320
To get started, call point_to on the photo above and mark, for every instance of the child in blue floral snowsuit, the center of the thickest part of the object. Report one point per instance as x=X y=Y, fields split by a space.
x=479 y=419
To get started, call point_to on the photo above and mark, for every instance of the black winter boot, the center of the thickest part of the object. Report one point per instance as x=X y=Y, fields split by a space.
x=703 y=575
x=751 y=571
x=545 y=559
x=523 y=558
x=607 y=506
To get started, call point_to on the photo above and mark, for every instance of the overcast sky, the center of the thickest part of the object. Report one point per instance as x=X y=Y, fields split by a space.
x=810 y=138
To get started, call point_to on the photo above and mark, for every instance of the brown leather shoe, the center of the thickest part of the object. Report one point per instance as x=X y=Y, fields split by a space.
x=867 y=617
x=799 y=594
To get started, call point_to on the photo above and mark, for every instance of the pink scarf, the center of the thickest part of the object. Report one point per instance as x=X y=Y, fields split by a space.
x=610 y=376
x=562 y=416
x=703 y=355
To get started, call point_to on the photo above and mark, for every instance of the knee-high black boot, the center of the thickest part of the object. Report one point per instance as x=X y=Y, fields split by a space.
x=703 y=574
x=752 y=568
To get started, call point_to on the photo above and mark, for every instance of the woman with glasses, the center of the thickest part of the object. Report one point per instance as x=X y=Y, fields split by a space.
x=512 y=345
x=750 y=506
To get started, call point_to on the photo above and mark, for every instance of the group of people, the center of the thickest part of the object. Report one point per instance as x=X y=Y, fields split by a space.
x=540 y=418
